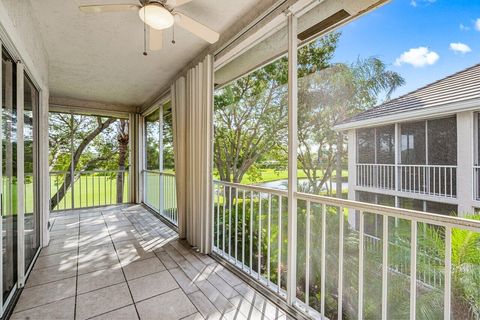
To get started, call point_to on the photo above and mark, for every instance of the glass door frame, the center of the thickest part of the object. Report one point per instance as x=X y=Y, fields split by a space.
x=22 y=274
x=158 y=106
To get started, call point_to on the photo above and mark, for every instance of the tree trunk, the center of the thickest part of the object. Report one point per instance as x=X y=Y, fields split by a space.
x=122 y=158
x=60 y=194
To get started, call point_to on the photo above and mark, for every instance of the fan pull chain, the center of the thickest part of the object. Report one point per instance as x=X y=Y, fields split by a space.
x=144 y=34
x=173 y=34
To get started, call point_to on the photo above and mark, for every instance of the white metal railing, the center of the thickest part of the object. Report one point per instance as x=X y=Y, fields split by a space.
x=381 y=176
x=476 y=183
x=342 y=270
x=437 y=180
x=88 y=189
x=160 y=193
x=244 y=216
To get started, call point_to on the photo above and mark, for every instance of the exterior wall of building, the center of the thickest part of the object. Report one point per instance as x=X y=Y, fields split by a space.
x=464 y=181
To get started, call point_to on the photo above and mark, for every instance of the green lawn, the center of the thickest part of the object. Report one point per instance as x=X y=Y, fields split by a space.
x=272 y=175
x=92 y=190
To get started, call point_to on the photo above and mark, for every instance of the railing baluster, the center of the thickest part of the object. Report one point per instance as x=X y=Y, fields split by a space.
x=385 y=268
x=279 y=262
x=307 y=256
x=360 y=265
x=223 y=220
x=340 y=262
x=251 y=232
x=269 y=217
x=448 y=273
x=323 y=260
x=243 y=229
x=445 y=180
x=259 y=245
x=413 y=270
x=236 y=224
x=218 y=217
x=111 y=193
x=230 y=222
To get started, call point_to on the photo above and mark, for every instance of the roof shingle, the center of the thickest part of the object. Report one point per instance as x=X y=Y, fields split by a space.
x=458 y=87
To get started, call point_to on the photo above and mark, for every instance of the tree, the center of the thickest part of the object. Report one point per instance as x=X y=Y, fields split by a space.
x=250 y=120
x=328 y=94
x=251 y=113
x=97 y=144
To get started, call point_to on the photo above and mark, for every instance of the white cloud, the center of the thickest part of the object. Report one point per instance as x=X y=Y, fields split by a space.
x=464 y=27
x=477 y=24
x=459 y=47
x=418 y=57
x=415 y=3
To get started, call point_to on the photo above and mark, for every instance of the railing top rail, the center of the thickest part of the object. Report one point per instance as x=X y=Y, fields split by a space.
x=427 y=165
x=430 y=218
x=165 y=173
x=86 y=171
x=250 y=187
x=408 y=165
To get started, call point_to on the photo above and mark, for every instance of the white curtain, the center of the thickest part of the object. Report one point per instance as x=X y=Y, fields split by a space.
x=192 y=105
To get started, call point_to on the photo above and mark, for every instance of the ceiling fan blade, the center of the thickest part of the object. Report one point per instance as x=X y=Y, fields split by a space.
x=109 y=8
x=176 y=3
x=196 y=28
x=155 y=40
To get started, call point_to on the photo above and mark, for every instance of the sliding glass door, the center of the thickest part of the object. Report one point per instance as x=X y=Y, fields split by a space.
x=159 y=177
x=30 y=134
x=9 y=175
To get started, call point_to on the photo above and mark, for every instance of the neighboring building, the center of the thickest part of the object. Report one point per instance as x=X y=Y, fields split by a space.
x=420 y=151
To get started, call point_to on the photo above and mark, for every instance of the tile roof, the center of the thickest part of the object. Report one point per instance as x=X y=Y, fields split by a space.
x=458 y=87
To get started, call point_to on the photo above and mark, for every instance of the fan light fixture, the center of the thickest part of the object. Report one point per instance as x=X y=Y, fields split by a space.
x=156 y=16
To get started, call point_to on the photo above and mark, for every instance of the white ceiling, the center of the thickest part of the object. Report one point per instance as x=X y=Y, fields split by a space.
x=99 y=57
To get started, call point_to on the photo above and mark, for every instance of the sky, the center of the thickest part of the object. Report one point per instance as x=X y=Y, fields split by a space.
x=422 y=40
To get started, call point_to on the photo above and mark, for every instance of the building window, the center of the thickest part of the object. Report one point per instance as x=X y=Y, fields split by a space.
x=385 y=142
x=366 y=145
x=442 y=141
x=412 y=143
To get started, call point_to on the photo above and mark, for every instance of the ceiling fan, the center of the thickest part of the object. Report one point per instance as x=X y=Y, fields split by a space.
x=158 y=15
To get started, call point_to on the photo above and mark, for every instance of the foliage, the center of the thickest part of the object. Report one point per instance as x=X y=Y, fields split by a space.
x=86 y=143
x=251 y=228
x=251 y=113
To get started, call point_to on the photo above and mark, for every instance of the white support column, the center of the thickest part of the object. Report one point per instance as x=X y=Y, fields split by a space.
x=465 y=158
x=20 y=180
x=139 y=158
x=352 y=173
x=44 y=176
x=133 y=148
x=292 y=157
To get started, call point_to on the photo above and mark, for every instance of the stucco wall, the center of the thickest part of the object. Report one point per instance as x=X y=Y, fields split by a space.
x=20 y=34
x=22 y=29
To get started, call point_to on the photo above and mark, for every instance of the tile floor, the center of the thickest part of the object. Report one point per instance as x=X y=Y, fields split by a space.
x=123 y=263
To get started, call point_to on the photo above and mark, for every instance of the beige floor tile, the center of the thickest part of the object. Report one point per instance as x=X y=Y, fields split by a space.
x=125 y=313
x=173 y=305
x=50 y=274
x=69 y=258
x=151 y=285
x=103 y=300
x=59 y=310
x=142 y=268
x=204 y=306
x=99 y=279
x=46 y=293
x=185 y=283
